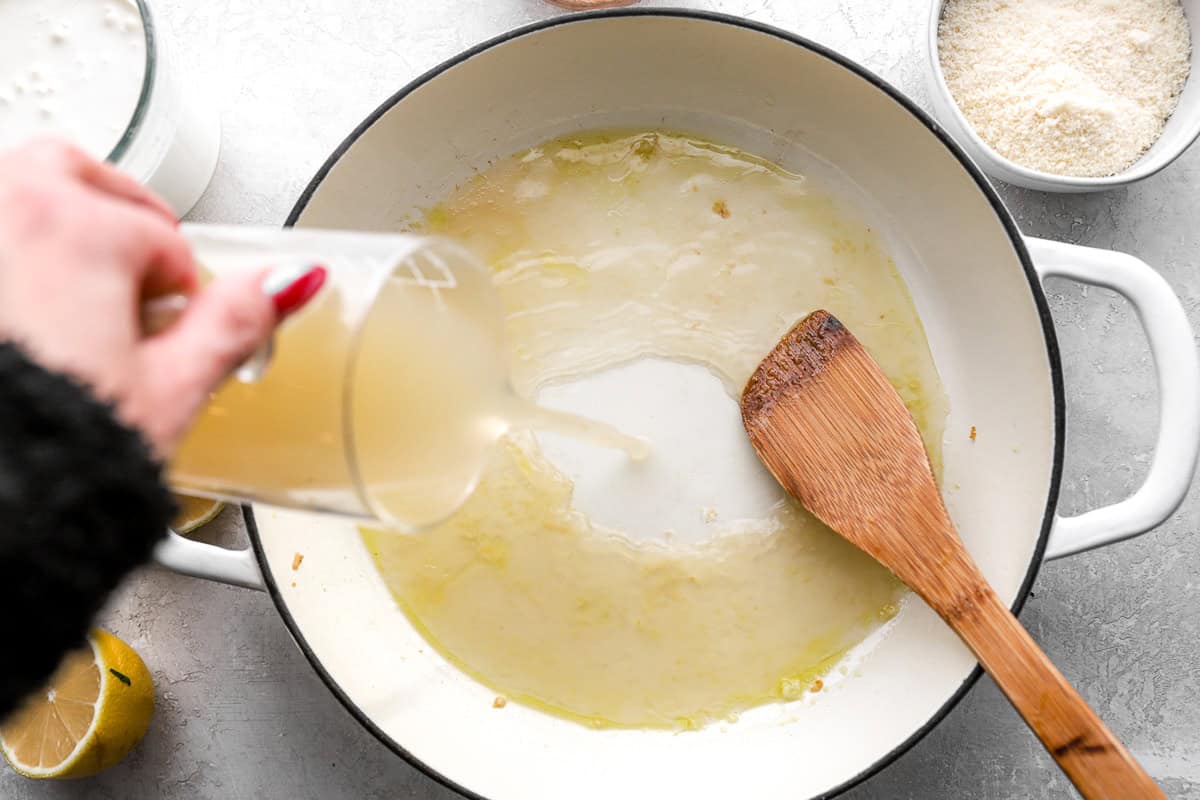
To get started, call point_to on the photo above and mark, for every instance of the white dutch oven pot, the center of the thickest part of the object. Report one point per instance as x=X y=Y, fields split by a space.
x=975 y=281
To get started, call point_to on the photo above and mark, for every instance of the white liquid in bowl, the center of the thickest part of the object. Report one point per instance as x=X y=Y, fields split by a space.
x=72 y=68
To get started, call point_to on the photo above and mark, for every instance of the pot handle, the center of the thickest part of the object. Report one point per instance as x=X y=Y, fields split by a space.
x=1178 y=369
x=200 y=560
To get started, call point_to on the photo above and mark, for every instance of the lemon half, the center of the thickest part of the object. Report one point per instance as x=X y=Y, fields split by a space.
x=94 y=710
x=194 y=512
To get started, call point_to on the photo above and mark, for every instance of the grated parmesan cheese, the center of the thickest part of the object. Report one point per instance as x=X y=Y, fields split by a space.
x=1071 y=87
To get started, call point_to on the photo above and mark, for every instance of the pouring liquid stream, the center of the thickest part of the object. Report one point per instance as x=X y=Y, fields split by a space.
x=525 y=414
x=391 y=413
x=509 y=413
x=433 y=396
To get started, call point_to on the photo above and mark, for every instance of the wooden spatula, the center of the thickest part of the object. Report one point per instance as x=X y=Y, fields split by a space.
x=832 y=430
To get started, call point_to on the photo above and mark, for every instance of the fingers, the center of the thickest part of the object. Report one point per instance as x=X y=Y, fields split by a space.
x=159 y=254
x=109 y=179
x=220 y=329
x=223 y=325
x=65 y=157
x=102 y=212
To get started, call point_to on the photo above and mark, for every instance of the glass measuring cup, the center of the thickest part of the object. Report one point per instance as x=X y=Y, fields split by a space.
x=383 y=394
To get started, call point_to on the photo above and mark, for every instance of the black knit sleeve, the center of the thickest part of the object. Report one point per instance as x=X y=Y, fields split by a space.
x=82 y=502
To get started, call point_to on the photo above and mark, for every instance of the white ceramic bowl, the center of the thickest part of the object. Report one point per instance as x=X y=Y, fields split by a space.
x=173 y=139
x=1181 y=129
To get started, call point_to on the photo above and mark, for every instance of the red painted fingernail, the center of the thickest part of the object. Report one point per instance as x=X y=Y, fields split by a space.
x=297 y=291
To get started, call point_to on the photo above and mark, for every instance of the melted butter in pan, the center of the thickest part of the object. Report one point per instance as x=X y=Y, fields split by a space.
x=607 y=248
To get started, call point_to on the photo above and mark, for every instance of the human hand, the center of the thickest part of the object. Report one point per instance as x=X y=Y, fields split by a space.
x=82 y=247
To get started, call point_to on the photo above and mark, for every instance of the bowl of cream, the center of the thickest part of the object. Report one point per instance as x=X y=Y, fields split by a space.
x=103 y=74
x=1072 y=96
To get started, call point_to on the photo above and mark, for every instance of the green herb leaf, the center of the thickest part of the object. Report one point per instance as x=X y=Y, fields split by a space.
x=123 y=679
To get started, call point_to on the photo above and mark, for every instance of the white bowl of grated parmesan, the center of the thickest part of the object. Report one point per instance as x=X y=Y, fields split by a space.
x=1066 y=95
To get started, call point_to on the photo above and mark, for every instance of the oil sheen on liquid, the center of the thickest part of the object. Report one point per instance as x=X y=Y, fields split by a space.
x=606 y=248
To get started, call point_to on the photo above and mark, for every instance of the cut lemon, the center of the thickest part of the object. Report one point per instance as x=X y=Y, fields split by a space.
x=194 y=512
x=96 y=707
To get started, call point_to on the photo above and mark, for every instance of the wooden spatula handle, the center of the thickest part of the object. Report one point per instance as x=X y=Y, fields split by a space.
x=833 y=431
x=1095 y=761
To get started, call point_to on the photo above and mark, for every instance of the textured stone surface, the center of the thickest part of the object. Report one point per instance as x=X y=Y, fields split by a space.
x=241 y=714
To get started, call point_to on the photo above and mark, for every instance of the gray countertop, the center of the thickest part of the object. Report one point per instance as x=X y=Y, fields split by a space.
x=241 y=714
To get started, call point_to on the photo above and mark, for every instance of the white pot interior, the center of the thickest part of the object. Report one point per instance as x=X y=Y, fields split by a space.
x=767 y=95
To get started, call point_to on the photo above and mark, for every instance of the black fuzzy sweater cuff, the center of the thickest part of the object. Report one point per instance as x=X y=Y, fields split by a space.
x=82 y=502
